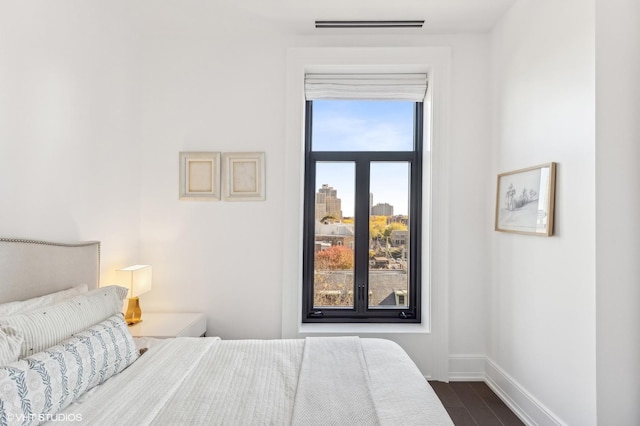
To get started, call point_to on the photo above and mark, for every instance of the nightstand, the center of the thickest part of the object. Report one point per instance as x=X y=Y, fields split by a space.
x=163 y=325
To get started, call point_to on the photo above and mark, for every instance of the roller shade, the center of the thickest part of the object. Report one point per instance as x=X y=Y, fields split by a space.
x=402 y=87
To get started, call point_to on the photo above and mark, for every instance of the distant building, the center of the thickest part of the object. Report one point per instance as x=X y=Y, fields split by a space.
x=333 y=234
x=321 y=245
x=370 y=201
x=328 y=203
x=382 y=209
x=399 y=238
x=380 y=262
x=398 y=219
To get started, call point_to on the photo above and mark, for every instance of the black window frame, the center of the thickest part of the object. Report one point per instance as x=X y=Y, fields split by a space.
x=361 y=313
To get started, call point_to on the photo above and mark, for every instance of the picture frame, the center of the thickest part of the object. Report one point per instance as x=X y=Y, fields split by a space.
x=243 y=176
x=525 y=200
x=199 y=176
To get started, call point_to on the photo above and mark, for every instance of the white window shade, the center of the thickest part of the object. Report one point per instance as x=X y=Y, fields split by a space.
x=375 y=86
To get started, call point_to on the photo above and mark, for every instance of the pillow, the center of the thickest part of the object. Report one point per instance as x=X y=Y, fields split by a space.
x=35 y=388
x=23 y=306
x=10 y=345
x=121 y=292
x=45 y=327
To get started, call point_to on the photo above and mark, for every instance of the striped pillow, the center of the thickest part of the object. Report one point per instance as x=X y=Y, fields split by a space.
x=33 y=389
x=23 y=306
x=48 y=326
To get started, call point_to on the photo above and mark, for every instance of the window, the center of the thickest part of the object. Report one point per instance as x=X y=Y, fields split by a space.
x=362 y=208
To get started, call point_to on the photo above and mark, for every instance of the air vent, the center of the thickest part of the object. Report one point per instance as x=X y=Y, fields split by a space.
x=369 y=24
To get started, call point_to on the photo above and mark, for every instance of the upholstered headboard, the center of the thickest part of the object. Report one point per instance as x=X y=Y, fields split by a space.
x=30 y=268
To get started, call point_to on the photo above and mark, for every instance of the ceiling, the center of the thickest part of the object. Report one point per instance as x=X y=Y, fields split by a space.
x=440 y=16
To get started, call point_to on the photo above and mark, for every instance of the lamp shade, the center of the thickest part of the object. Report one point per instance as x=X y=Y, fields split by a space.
x=136 y=278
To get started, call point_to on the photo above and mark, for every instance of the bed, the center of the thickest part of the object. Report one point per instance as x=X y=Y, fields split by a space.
x=70 y=359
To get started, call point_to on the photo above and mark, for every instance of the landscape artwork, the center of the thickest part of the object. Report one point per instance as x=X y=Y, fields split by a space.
x=525 y=200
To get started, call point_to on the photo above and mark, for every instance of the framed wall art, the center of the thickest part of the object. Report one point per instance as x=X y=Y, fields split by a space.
x=200 y=176
x=243 y=176
x=525 y=200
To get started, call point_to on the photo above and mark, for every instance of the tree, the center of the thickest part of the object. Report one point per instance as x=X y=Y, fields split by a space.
x=335 y=257
x=377 y=226
x=396 y=252
x=394 y=226
x=329 y=219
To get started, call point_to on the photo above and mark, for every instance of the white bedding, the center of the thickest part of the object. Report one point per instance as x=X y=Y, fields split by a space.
x=207 y=381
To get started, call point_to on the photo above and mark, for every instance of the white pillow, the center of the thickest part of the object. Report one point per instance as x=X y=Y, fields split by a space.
x=10 y=345
x=44 y=383
x=23 y=306
x=48 y=326
x=121 y=292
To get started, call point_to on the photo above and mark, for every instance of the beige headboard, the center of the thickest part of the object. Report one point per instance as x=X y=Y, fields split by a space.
x=30 y=268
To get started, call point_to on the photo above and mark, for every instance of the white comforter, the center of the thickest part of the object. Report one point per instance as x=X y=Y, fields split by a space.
x=207 y=381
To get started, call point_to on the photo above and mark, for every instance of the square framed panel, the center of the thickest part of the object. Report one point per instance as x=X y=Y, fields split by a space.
x=243 y=176
x=200 y=176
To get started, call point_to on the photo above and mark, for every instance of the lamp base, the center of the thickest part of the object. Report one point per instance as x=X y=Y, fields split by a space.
x=133 y=315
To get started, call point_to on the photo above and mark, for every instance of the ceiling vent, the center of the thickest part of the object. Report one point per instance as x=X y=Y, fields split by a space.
x=369 y=24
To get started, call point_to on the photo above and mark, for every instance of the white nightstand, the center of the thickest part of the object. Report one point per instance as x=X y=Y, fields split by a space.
x=163 y=325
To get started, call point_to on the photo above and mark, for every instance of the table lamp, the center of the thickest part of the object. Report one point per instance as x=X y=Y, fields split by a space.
x=137 y=279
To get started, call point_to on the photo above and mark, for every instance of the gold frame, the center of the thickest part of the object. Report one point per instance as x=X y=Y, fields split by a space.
x=200 y=176
x=515 y=211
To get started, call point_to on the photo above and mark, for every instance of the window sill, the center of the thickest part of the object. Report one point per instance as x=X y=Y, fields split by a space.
x=362 y=328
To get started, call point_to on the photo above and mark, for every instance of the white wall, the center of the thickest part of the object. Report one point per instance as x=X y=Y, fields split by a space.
x=470 y=223
x=101 y=97
x=618 y=210
x=210 y=84
x=542 y=336
x=68 y=153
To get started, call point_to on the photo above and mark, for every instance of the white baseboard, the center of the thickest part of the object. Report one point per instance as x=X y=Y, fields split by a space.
x=480 y=368
x=526 y=406
x=467 y=368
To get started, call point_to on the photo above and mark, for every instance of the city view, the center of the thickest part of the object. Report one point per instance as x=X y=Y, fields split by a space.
x=334 y=251
x=369 y=127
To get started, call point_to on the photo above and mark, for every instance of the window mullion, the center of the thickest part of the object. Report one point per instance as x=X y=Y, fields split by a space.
x=415 y=211
x=361 y=273
x=309 y=213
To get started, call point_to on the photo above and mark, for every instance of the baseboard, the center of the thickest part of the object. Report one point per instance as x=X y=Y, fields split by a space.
x=467 y=368
x=526 y=406
x=480 y=368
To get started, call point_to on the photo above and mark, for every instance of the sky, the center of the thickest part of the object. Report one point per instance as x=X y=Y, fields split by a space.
x=364 y=126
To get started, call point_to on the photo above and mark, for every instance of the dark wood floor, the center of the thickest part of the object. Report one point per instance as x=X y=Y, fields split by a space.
x=474 y=403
